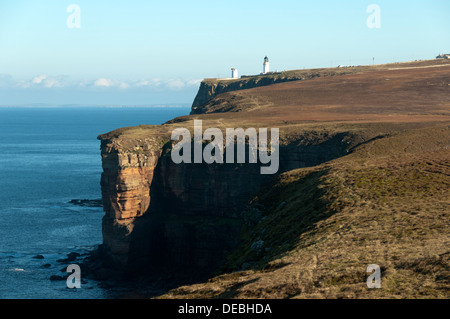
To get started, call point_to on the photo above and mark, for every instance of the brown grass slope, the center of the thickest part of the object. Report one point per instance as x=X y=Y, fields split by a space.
x=387 y=203
x=388 y=93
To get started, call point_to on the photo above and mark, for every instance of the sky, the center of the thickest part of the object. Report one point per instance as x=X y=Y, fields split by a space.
x=138 y=52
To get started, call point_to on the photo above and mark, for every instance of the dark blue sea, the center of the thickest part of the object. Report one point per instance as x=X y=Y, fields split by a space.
x=48 y=157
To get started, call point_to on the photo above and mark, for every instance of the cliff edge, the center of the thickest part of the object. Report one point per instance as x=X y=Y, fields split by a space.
x=210 y=88
x=197 y=219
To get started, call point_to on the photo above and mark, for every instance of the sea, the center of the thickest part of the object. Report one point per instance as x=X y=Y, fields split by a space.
x=48 y=158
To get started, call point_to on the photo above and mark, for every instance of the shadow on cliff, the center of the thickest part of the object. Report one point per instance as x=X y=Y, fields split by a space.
x=287 y=208
x=273 y=222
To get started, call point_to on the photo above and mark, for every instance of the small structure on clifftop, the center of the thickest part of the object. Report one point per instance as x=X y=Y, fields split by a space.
x=443 y=56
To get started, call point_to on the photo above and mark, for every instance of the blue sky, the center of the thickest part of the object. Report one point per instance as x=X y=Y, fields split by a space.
x=154 y=52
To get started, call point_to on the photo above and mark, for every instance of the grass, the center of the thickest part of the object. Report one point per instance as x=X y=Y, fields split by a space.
x=340 y=217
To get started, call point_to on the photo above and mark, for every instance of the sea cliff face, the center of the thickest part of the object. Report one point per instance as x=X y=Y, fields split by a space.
x=125 y=185
x=160 y=215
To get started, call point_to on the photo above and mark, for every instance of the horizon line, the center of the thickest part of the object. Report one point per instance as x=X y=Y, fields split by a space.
x=68 y=105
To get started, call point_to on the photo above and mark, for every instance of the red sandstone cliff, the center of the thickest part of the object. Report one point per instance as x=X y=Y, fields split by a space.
x=159 y=214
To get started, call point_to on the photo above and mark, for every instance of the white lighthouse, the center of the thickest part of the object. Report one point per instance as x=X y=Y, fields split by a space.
x=234 y=73
x=266 y=65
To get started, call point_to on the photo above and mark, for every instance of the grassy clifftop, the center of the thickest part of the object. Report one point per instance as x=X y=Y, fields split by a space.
x=387 y=203
x=211 y=88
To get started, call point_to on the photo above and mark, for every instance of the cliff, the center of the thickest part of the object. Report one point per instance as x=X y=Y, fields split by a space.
x=210 y=88
x=194 y=219
x=160 y=215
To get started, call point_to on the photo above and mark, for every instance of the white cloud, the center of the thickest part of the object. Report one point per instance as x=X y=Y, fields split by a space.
x=179 y=84
x=38 y=79
x=124 y=86
x=172 y=84
x=175 y=84
x=42 y=80
x=53 y=82
x=50 y=82
x=142 y=83
x=156 y=82
x=102 y=82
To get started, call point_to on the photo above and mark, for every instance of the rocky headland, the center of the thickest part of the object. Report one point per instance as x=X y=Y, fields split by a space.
x=342 y=132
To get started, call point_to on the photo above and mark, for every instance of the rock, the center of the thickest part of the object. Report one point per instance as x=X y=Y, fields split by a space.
x=70 y=257
x=104 y=273
x=94 y=265
x=259 y=206
x=46 y=266
x=246 y=266
x=252 y=216
x=258 y=246
x=282 y=204
x=38 y=257
x=73 y=256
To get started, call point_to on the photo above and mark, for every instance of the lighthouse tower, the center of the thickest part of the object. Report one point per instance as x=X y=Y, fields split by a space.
x=266 y=65
x=234 y=73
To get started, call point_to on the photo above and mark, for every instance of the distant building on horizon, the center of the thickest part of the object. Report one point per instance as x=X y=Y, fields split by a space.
x=443 y=56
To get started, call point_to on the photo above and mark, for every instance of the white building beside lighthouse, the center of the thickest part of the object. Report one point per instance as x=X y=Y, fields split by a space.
x=266 y=65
